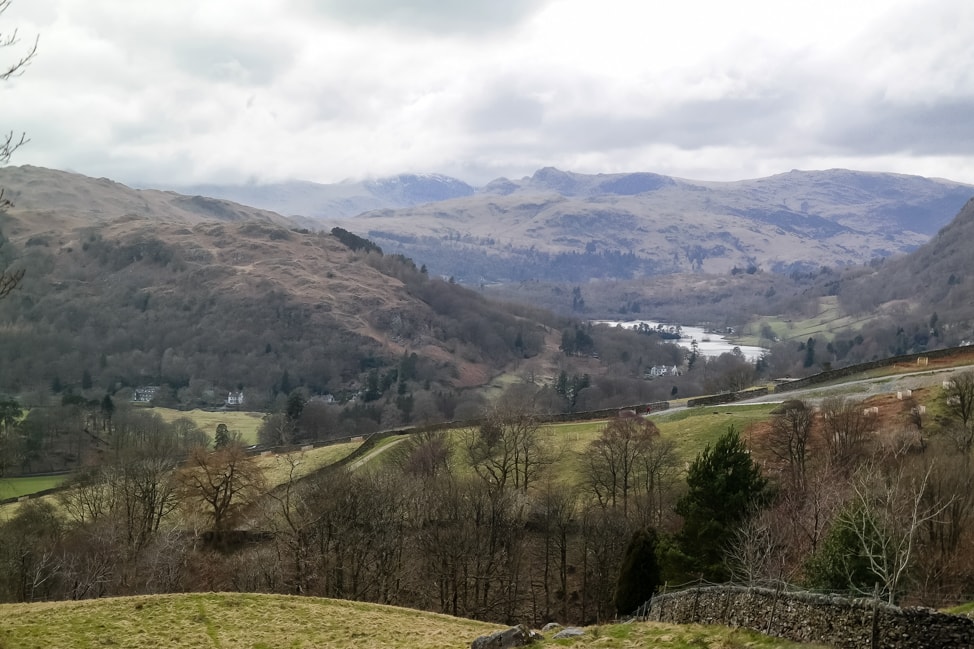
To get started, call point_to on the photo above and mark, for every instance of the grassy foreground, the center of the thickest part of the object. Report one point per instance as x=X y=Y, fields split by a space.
x=249 y=621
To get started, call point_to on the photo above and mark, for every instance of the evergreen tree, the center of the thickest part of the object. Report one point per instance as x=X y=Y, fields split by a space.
x=640 y=573
x=223 y=437
x=724 y=486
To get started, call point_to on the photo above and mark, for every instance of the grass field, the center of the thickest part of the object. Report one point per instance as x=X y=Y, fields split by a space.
x=17 y=487
x=277 y=467
x=827 y=320
x=691 y=430
x=238 y=621
x=245 y=422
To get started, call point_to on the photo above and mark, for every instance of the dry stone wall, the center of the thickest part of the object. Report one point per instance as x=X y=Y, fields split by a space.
x=809 y=617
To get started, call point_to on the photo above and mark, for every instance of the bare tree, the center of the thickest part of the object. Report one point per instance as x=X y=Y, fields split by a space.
x=846 y=428
x=757 y=551
x=426 y=454
x=509 y=447
x=791 y=430
x=224 y=482
x=959 y=405
x=9 y=279
x=614 y=462
x=555 y=513
x=892 y=508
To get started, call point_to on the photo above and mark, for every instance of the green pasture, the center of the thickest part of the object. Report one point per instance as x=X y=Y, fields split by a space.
x=17 y=487
x=259 y=621
x=246 y=423
x=278 y=467
x=827 y=320
x=691 y=430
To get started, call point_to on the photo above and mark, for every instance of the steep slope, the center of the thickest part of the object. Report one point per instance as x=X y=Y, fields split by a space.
x=936 y=278
x=128 y=287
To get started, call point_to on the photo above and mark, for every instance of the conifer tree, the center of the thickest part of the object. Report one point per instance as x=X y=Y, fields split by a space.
x=640 y=572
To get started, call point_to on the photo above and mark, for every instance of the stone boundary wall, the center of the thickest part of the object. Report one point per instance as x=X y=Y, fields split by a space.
x=726 y=397
x=810 y=617
x=831 y=375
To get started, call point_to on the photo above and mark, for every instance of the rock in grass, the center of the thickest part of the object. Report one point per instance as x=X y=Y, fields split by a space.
x=516 y=636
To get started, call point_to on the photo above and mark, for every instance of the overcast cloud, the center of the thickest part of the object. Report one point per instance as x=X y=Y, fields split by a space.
x=188 y=91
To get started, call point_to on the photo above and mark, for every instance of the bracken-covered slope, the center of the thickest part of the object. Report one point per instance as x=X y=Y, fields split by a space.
x=134 y=287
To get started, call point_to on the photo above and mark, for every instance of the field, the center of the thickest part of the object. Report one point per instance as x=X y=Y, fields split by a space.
x=828 y=320
x=246 y=423
x=277 y=467
x=17 y=487
x=231 y=621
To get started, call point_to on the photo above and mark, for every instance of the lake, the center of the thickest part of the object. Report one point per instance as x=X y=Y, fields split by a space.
x=708 y=344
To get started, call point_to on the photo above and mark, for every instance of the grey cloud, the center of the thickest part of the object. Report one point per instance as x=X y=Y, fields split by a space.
x=469 y=16
x=504 y=110
x=226 y=58
x=689 y=125
x=878 y=127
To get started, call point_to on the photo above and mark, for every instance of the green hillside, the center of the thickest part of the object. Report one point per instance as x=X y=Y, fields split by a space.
x=238 y=621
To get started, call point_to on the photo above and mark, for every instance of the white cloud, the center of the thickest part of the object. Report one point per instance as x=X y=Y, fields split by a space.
x=205 y=90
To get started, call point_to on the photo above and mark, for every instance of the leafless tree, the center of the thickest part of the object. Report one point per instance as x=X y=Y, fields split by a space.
x=958 y=397
x=659 y=473
x=758 y=551
x=9 y=279
x=613 y=463
x=224 y=482
x=509 y=447
x=846 y=428
x=893 y=507
x=791 y=431
x=426 y=455
x=554 y=515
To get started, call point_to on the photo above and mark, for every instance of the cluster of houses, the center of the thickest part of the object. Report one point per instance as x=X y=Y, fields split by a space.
x=146 y=393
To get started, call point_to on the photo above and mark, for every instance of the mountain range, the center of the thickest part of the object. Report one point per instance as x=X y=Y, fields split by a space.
x=562 y=226
x=129 y=287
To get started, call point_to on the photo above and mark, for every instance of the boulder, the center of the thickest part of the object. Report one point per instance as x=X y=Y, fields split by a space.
x=568 y=632
x=516 y=636
x=549 y=627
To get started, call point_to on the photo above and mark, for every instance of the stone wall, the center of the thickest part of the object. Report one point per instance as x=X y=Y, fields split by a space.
x=809 y=617
x=832 y=375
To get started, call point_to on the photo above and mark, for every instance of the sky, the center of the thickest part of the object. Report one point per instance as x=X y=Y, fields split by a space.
x=250 y=91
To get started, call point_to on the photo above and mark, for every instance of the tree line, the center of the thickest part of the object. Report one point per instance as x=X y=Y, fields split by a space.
x=502 y=522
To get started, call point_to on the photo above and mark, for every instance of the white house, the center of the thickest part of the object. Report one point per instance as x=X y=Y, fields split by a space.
x=662 y=370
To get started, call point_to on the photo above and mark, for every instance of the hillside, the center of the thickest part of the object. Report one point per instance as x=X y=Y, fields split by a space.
x=937 y=277
x=136 y=287
x=132 y=288
x=559 y=226
x=272 y=621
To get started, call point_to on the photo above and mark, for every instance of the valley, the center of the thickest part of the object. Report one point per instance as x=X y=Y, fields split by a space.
x=421 y=441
